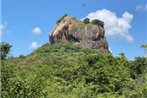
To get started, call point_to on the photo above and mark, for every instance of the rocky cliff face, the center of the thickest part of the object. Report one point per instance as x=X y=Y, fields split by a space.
x=88 y=35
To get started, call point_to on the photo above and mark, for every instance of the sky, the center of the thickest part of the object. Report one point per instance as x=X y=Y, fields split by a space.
x=26 y=24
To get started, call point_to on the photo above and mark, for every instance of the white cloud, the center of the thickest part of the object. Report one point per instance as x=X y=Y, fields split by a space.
x=2 y=28
x=114 y=26
x=37 y=30
x=34 y=45
x=141 y=7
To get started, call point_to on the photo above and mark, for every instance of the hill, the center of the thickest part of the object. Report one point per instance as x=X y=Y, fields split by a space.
x=65 y=70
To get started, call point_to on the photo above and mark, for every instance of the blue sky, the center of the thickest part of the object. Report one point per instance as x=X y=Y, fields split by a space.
x=26 y=24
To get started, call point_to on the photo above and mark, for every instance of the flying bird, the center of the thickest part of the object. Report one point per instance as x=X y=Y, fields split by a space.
x=83 y=4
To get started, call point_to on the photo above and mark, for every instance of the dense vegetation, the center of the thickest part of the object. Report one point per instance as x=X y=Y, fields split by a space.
x=69 y=71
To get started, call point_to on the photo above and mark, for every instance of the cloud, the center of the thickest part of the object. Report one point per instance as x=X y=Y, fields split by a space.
x=37 y=30
x=2 y=28
x=114 y=26
x=141 y=7
x=34 y=45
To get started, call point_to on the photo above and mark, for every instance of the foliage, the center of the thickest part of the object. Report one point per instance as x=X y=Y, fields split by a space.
x=144 y=46
x=98 y=22
x=95 y=22
x=86 y=20
x=4 y=49
x=139 y=66
x=122 y=55
x=70 y=71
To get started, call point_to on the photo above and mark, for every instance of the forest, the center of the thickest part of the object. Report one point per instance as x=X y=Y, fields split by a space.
x=66 y=70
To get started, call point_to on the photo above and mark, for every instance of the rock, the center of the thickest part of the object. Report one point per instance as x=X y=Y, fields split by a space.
x=77 y=32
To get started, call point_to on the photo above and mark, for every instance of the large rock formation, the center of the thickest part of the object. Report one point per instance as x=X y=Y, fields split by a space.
x=89 y=35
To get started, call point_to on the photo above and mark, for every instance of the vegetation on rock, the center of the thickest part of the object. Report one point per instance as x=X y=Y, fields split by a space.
x=98 y=22
x=95 y=21
x=86 y=20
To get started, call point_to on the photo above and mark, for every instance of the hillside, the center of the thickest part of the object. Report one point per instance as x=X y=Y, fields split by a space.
x=71 y=71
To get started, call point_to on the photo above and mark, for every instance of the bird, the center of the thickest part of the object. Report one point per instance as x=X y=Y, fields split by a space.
x=83 y=4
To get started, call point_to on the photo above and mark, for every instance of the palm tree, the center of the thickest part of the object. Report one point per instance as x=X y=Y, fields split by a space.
x=144 y=46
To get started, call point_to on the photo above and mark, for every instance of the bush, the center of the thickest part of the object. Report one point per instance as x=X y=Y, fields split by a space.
x=98 y=22
x=86 y=20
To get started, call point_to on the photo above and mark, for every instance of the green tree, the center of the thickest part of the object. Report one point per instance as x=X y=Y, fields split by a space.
x=4 y=49
x=122 y=55
x=139 y=65
x=98 y=22
x=144 y=46
x=86 y=20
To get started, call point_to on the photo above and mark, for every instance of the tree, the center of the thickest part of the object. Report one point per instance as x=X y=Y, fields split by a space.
x=144 y=46
x=86 y=20
x=122 y=55
x=139 y=65
x=4 y=49
x=98 y=22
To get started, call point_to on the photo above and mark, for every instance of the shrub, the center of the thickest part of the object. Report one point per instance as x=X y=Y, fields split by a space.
x=98 y=22
x=86 y=20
